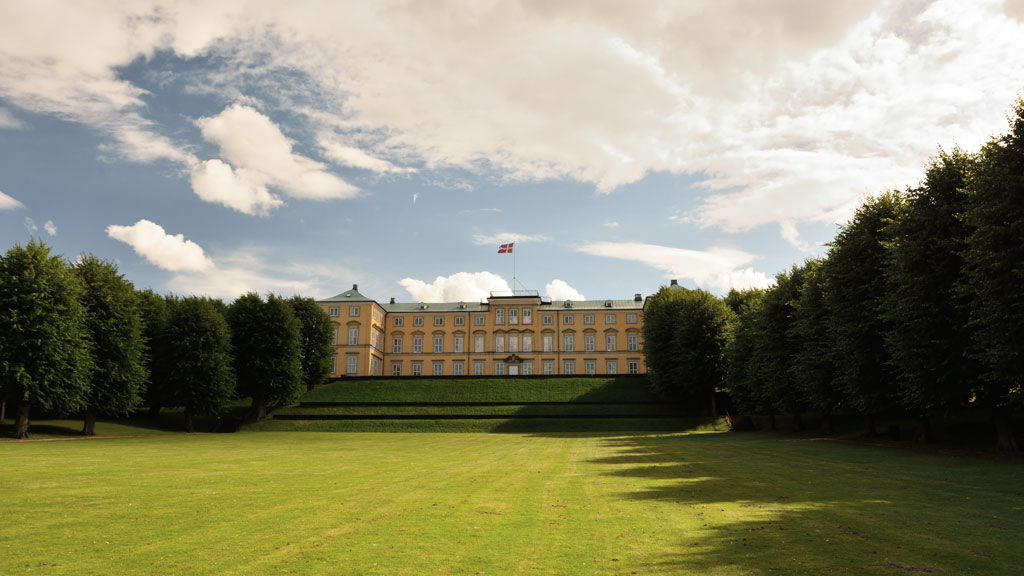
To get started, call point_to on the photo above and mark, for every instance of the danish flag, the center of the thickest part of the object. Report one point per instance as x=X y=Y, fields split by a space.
x=505 y=248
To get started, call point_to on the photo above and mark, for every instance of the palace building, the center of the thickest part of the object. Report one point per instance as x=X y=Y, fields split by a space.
x=507 y=335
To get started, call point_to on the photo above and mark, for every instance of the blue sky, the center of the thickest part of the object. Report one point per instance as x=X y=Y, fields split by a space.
x=301 y=147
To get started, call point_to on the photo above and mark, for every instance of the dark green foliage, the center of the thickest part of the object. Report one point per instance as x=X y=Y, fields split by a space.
x=994 y=274
x=199 y=356
x=685 y=335
x=114 y=326
x=155 y=312
x=812 y=370
x=745 y=391
x=775 y=346
x=855 y=290
x=315 y=334
x=45 y=360
x=927 y=316
x=265 y=344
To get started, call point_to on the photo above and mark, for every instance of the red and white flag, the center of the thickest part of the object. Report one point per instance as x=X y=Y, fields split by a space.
x=505 y=248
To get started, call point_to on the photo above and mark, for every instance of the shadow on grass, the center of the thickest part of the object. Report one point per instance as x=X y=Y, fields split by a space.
x=750 y=504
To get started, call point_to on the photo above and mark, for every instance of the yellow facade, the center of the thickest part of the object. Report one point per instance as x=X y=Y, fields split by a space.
x=514 y=334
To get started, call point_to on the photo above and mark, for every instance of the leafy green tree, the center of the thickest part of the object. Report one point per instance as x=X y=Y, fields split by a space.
x=812 y=368
x=994 y=273
x=927 y=315
x=45 y=357
x=855 y=295
x=315 y=334
x=775 y=347
x=685 y=336
x=265 y=341
x=155 y=312
x=745 y=390
x=199 y=355
x=114 y=326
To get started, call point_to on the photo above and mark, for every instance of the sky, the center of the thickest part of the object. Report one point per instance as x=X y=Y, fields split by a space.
x=301 y=147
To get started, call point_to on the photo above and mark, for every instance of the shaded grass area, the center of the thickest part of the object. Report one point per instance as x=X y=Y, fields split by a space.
x=518 y=425
x=170 y=420
x=491 y=410
x=595 y=503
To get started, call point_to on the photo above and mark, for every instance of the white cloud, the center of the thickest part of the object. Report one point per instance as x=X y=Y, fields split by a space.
x=50 y=228
x=251 y=141
x=415 y=197
x=459 y=287
x=170 y=252
x=611 y=224
x=357 y=158
x=561 y=290
x=8 y=121
x=30 y=225
x=506 y=237
x=8 y=203
x=790 y=234
x=717 y=268
x=216 y=182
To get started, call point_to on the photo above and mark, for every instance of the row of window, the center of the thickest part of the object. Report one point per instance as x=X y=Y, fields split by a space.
x=513 y=318
x=513 y=342
x=501 y=368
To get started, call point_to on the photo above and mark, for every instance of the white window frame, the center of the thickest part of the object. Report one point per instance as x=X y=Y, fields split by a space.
x=547 y=342
x=417 y=320
x=631 y=318
x=437 y=368
x=353 y=310
x=568 y=367
x=417 y=344
x=499 y=368
x=334 y=364
x=590 y=367
x=547 y=319
x=396 y=368
x=351 y=364
x=609 y=318
x=399 y=321
x=632 y=342
x=458 y=368
x=499 y=315
x=460 y=344
x=396 y=345
x=589 y=342
x=527 y=316
x=513 y=316
x=333 y=311
x=417 y=368
x=479 y=368
x=527 y=343
x=548 y=367
x=567 y=319
x=460 y=320
x=479 y=320
x=588 y=318
x=478 y=343
x=610 y=342
x=633 y=366
x=611 y=366
x=513 y=343
x=499 y=343
x=568 y=343
x=353 y=335
x=438 y=320
x=527 y=367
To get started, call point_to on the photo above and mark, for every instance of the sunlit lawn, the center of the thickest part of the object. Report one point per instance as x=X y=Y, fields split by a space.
x=363 y=503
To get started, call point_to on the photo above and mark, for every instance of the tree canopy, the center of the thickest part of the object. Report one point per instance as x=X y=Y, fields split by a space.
x=265 y=342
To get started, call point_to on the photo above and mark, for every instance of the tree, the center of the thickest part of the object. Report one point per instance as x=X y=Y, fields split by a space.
x=994 y=271
x=265 y=341
x=45 y=359
x=155 y=312
x=315 y=333
x=775 y=347
x=812 y=369
x=685 y=336
x=114 y=326
x=927 y=316
x=199 y=355
x=855 y=292
x=744 y=388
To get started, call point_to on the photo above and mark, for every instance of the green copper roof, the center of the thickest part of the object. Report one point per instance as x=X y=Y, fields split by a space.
x=352 y=295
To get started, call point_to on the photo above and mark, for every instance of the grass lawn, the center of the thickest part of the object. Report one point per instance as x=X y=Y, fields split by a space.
x=613 y=503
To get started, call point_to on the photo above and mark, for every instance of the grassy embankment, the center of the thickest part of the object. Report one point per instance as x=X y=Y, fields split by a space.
x=696 y=503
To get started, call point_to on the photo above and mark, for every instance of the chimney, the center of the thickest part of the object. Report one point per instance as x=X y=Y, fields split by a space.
x=355 y=287
x=637 y=298
x=392 y=299
x=675 y=282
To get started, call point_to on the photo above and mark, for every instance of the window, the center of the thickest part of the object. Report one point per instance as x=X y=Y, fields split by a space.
x=438 y=367
x=334 y=364
x=479 y=320
x=513 y=343
x=546 y=319
x=351 y=364
x=396 y=368
x=633 y=366
x=399 y=321
x=438 y=320
x=374 y=366
x=513 y=315
x=478 y=367
x=609 y=318
x=589 y=342
x=499 y=316
x=417 y=320
x=567 y=319
x=499 y=343
x=458 y=368
x=528 y=367
x=632 y=342
x=590 y=367
x=396 y=345
x=611 y=366
x=353 y=310
x=460 y=320
x=630 y=318
x=569 y=367
x=609 y=342
x=527 y=316
x=568 y=342
x=588 y=318
x=332 y=311
x=353 y=335
x=438 y=344
x=460 y=343
x=478 y=343
x=417 y=368
x=417 y=344
x=548 y=366
x=548 y=343
x=527 y=342
x=334 y=340
x=499 y=368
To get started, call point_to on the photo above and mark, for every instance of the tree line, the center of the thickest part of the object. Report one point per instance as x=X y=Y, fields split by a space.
x=918 y=305
x=79 y=338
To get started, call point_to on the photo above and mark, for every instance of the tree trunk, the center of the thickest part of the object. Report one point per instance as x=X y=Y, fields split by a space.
x=869 y=426
x=1002 y=417
x=3 y=411
x=714 y=406
x=89 y=426
x=828 y=427
x=189 y=425
x=798 y=422
x=21 y=421
x=923 y=432
x=258 y=411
